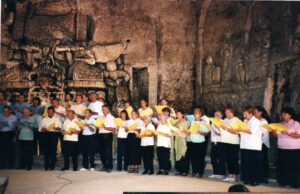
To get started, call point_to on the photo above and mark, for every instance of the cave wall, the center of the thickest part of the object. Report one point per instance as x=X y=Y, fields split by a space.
x=201 y=52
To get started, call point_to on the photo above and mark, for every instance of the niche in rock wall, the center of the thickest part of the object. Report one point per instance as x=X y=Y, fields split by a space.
x=140 y=85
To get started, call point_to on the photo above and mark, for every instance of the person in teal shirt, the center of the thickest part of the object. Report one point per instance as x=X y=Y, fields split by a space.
x=27 y=126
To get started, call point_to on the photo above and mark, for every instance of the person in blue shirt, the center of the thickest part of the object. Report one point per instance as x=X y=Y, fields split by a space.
x=7 y=135
x=19 y=106
x=198 y=146
x=3 y=101
x=27 y=126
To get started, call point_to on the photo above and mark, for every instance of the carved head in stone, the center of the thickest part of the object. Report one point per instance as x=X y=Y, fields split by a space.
x=111 y=66
x=209 y=60
x=228 y=34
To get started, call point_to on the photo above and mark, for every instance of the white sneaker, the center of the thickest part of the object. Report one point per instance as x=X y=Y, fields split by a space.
x=227 y=179
x=231 y=180
x=92 y=169
x=83 y=169
x=219 y=176
x=213 y=176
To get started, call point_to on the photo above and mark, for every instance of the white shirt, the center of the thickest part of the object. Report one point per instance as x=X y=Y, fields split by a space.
x=163 y=141
x=266 y=136
x=60 y=109
x=70 y=124
x=121 y=132
x=148 y=141
x=47 y=121
x=227 y=137
x=215 y=134
x=139 y=123
x=108 y=122
x=205 y=119
x=96 y=107
x=78 y=109
x=90 y=121
x=252 y=141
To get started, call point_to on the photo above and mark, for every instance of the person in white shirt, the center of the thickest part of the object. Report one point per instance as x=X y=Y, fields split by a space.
x=251 y=145
x=230 y=142
x=215 y=153
x=70 y=131
x=262 y=115
x=134 y=143
x=147 y=146
x=164 y=102
x=95 y=105
x=163 y=145
x=50 y=137
x=88 y=141
x=106 y=139
x=78 y=106
x=198 y=147
x=122 y=159
x=60 y=113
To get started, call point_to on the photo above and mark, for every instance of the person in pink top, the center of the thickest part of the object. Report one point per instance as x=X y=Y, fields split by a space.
x=288 y=169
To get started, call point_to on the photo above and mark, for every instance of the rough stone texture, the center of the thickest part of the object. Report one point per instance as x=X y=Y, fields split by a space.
x=249 y=44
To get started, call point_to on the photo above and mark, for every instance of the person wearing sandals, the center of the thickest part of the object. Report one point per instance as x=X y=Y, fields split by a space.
x=147 y=146
x=164 y=136
x=179 y=146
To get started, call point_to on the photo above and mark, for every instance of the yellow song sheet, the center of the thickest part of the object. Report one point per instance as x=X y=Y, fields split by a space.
x=51 y=126
x=99 y=122
x=218 y=122
x=277 y=127
x=118 y=122
x=80 y=123
x=159 y=108
x=173 y=121
x=195 y=128
x=238 y=124
x=132 y=126
x=146 y=133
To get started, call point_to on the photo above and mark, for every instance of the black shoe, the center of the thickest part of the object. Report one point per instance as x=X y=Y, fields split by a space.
x=151 y=172
x=119 y=169
x=254 y=184
x=166 y=173
x=160 y=172
x=46 y=169
x=28 y=168
x=21 y=167
x=145 y=172
x=74 y=169
x=183 y=174
x=51 y=169
x=109 y=170
x=103 y=169
x=63 y=169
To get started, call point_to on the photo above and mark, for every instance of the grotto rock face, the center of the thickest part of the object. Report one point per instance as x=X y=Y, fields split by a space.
x=201 y=52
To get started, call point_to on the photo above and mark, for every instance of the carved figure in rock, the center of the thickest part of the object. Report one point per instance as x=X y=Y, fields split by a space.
x=212 y=72
x=226 y=55
x=241 y=71
x=14 y=74
x=83 y=71
x=295 y=49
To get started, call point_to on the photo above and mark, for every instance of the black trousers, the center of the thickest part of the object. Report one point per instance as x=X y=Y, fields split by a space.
x=87 y=149
x=7 y=150
x=133 y=149
x=230 y=157
x=40 y=137
x=198 y=151
x=26 y=148
x=182 y=166
x=122 y=158
x=50 y=149
x=288 y=169
x=71 y=150
x=105 y=145
x=163 y=157
x=148 y=155
x=250 y=166
x=215 y=157
x=265 y=163
x=188 y=155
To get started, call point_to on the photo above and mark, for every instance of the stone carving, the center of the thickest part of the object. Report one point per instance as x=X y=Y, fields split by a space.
x=226 y=56
x=82 y=71
x=241 y=70
x=295 y=49
x=212 y=72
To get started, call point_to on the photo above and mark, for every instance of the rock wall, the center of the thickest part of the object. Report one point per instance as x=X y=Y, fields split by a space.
x=200 y=52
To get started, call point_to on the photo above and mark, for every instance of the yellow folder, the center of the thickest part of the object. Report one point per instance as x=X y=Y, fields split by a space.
x=132 y=126
x=278 y=127
x=145 y=133
x=157 y=133
x=128 y=110
x=80 y=123
x=238 y=124
x=173 y=121
x=217 y=122
x=118 y=122
x=206 y=125
x=51 y=126
x=71 y=130
x=195 y=128
x=99 y=122
x=159 y=108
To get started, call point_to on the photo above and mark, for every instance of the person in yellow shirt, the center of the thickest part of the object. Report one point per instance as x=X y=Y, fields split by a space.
x=145 y=110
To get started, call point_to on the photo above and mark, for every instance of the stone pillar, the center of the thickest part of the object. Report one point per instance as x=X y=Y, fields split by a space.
x=153 y=84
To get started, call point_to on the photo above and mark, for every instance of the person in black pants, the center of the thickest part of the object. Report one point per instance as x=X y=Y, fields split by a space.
x=70 y=131
x=105 y=139
x=122 y=158
x=7 y=135
x=87 y=141
x=50 y=127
